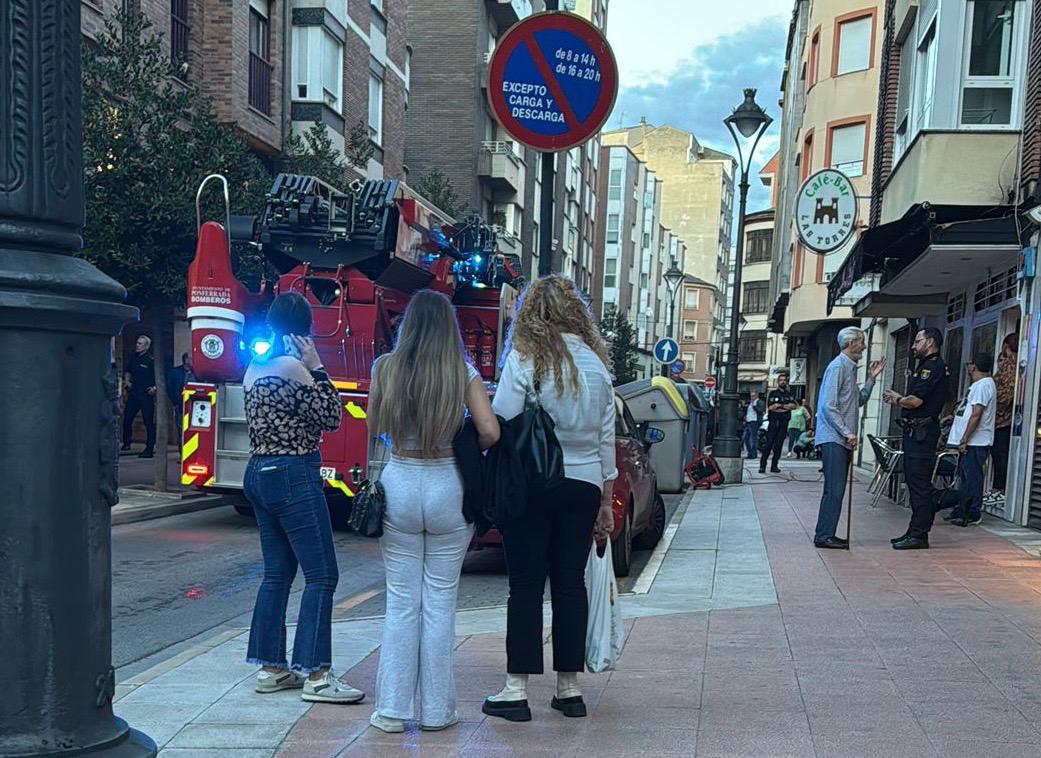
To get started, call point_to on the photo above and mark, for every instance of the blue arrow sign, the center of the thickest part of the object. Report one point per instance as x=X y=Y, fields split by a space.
x=666 y=350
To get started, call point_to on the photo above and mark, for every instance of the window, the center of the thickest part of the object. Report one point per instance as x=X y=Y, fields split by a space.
x=806 y=159
x=854 y=45
x=612 y=228
x=690 y=330
x=751 y=347
x=690 y=298
x=376 y=107
x=317 y=66
x=759 y=244
x=690 y=362
x=646 y=240
x=610 y=272
x=614 y=188
x=754 y=297
x=925 y=79
x=848 y=148
x=956 y=308
x=179 y=34
x=815 y=55
x=378 y=37
x=259 y=54
x=996 y=290
x=991 y=63
x=903 y=97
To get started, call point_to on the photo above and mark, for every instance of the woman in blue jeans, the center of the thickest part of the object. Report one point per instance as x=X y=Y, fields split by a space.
x=289 y=402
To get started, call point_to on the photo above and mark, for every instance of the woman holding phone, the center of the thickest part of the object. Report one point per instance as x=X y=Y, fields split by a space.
x=289 y=402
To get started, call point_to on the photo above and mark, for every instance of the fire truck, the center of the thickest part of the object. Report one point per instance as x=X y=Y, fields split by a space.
x=357 y=256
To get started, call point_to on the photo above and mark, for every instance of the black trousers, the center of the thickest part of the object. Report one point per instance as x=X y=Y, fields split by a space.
x=553 y=538
x=145 y=405
x=776 y=432
x=999 y=454
x=919 y=460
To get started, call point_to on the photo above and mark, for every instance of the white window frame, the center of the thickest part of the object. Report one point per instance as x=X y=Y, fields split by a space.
x=848 y=167
x=311 y=44
x=376 y=86
x=842 y=27
x=610 y=270
x=1015 y=79
x=925 y=77
x=691 y=337
x=904 y=98
x=687 y=298
x=616 y=230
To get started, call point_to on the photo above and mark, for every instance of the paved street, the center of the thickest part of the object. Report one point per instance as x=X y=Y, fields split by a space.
x=189 y=577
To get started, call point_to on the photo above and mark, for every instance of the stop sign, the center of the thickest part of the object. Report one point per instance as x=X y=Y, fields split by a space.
x=710 y=383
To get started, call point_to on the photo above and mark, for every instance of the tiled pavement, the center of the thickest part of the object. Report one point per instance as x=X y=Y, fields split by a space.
x=749 y=643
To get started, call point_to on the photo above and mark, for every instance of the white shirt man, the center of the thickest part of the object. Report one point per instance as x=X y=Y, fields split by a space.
x=972 y=432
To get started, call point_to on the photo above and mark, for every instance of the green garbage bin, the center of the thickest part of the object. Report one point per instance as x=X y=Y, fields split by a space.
x=658 y=402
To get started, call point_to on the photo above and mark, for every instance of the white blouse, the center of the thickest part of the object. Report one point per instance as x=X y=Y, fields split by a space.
x=584 y=424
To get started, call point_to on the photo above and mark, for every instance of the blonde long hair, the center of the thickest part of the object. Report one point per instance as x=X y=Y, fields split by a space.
x=548 y=308
x=418 y=390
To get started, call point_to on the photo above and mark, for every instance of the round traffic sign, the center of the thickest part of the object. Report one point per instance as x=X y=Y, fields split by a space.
x=678 y=367
x=826 y=211
x=666 y=350
x=552 y=81
x=710 y=383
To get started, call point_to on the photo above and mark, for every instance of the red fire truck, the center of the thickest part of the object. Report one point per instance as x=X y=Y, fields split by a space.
x=357 y=256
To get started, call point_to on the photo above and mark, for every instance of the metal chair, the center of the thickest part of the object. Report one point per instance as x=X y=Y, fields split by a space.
x=889 y=463
x=946 y=468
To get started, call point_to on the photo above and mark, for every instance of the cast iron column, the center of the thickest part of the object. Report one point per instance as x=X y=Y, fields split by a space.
x=58 y=408
x=728 y=443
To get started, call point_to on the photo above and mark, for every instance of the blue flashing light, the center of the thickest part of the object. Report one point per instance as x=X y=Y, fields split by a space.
x=477 y=259
x=260 y=347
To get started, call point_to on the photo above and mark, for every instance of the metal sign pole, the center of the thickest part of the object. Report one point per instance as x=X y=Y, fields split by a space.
x=548 y=177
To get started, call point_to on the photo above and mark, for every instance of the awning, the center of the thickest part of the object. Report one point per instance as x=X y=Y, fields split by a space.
x=936 y=230
x=880 y=305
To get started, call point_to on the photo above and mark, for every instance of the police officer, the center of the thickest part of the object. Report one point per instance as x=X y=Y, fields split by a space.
x=779 y=403
x=140 y=375
x=920 y=419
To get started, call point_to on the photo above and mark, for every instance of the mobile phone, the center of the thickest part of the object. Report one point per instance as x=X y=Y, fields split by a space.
x=289 y=347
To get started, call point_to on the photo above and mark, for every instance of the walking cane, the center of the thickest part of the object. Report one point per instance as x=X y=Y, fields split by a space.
x=849 y=500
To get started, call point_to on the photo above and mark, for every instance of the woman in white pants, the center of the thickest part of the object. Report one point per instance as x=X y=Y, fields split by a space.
x=418 y=398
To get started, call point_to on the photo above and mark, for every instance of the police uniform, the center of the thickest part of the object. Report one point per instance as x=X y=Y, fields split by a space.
x=777 y=430
x=921 y=427
x=142 y=376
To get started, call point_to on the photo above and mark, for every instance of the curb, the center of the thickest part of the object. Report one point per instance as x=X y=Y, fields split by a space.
x=161 y=505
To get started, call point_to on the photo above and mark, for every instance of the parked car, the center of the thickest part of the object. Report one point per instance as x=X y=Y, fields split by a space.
x=639 y=510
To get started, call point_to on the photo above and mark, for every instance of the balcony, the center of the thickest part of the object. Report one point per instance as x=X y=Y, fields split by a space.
x=259 y=84
x=507 y=242
x=499 y=165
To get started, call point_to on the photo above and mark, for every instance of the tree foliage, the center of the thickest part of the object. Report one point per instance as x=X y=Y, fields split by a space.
x=313 y=154
x=438 y=189
x=148 y=141
x=621 y=342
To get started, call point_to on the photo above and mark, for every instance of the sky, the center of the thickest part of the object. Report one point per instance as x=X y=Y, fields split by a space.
x=686 y=63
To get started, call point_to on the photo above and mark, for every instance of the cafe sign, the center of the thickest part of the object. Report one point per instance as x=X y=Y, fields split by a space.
x=826 y=212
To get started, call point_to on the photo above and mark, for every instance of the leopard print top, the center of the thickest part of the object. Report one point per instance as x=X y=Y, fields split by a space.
x=286 y=417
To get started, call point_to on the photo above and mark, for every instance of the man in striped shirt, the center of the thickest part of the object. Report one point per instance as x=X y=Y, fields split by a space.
x=837 y=424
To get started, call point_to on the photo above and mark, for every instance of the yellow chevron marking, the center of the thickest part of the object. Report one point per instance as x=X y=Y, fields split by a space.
x=209 y=482
x=185 y=423
x=345 y=385
x=213 y=397
x=190 y=446
x=355 y=410
x=337 y=484
x=187 y=479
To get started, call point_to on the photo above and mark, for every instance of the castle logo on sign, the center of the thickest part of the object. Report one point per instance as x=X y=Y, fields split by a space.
x=212 y=346
x=826 y=212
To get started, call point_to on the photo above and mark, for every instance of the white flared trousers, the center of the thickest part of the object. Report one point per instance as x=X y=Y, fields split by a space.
x=425 y=539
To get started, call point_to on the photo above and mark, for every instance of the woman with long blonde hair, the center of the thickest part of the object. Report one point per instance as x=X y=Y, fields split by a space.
x=419 y=395
x=557 y=354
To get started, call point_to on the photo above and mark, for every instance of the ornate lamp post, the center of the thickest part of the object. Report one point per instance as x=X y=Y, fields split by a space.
x=751 y=121
x=59 y=407
x=673 y=277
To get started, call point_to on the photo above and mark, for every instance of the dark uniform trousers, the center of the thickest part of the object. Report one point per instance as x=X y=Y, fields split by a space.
x=145 y=405
x=776 y=433
x=919 y=460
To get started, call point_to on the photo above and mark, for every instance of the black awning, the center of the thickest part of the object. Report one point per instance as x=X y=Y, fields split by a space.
x=889 y=248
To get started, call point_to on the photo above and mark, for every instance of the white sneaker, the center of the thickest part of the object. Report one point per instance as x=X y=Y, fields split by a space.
x=431 y=728
x=283 y=680
x=386 y=723
x=329 y=689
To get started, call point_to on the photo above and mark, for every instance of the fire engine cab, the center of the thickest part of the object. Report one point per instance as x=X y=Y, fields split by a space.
x=357 y=256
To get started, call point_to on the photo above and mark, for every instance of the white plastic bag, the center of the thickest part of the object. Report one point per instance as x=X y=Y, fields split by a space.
x=605 y=634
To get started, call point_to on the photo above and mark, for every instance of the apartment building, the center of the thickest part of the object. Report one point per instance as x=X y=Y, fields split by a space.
x=697 y=198
x=829 y=99
x=949 y=245
x=760 y=352
x=695 y=317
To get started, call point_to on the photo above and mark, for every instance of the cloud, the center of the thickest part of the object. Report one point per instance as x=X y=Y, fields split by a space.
x=708 y=83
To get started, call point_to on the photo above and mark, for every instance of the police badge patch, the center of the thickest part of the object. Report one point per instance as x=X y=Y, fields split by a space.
x=924 y=373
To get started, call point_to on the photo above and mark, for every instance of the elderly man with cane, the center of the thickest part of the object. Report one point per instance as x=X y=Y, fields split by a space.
x=837 y=424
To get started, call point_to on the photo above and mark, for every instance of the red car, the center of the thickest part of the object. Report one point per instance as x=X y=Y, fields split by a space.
x=639 y=510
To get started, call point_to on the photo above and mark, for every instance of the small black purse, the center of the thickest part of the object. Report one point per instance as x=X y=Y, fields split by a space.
x=369 y=509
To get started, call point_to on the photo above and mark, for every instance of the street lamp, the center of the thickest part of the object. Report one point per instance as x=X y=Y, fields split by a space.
x=751 y=121
x=673 y=277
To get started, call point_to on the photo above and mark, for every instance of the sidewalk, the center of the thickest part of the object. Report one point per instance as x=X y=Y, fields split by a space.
x=748 y=642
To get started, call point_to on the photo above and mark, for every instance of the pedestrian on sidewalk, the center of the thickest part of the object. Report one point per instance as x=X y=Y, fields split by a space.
x=419 y=395
x=800 y=420
x=920 y=419
x=1005 y=381
x=140 y=380
x=176 y=378
x=972 y=433
x=779 y=403
x=556 y=352
x=289 y=402
x=837 y=425
x=753 y=419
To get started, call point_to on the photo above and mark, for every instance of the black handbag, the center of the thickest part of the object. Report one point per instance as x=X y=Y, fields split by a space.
x=369 y=509
x=536 y=443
